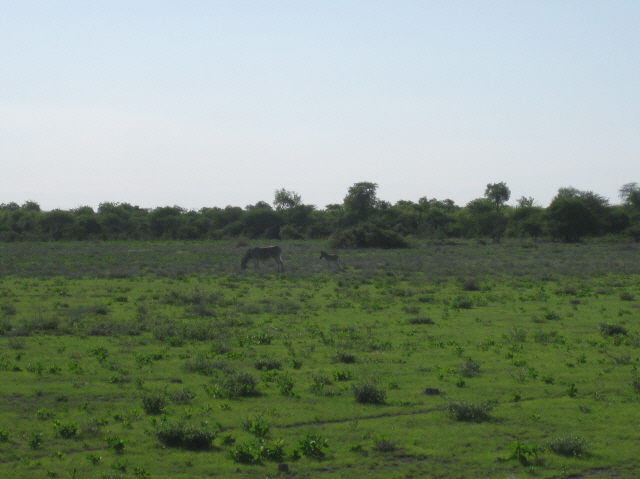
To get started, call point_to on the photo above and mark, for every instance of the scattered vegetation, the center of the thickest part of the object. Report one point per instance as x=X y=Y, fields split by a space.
x=365 y=359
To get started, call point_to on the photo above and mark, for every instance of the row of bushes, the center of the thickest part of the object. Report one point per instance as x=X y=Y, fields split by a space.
x=361 y=221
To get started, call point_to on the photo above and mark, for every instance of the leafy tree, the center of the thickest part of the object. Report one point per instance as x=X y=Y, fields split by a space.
x=361 y=201
x=524 y=202
x=285 y=200
x=30 y=206
x=629 y=191
x=55 y=224
x=525 y=221
x=9 y=206
x=570 y=219
x=165 y=222
x=260 y=205
x=498 y=194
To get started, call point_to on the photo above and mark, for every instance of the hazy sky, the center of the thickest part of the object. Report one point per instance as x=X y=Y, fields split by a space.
x=215 y=103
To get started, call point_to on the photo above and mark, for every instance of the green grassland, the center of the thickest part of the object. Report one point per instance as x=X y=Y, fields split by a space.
x=137 y=359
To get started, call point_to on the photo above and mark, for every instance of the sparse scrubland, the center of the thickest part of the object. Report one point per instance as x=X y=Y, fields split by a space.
x=164 y=359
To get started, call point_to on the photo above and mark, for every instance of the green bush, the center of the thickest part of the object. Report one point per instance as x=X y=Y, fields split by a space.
x=233 y=386
x=182 y=395
x=471 y=284
x=267 y=364
x=154 y=402
x=570 y=446
x=256 y=426
x=367 y=235
x=345 y=357
x=523 y=453
x=271 y=451
x=66 y=430
x=115 y=444
x=469 y=368
x=420 y=320
x=368 y=393
x=382 y=443
x=311 y=445
x=187 y=436
x=243 y=454
x=609 y=329
x=466 y=411
x=342 y=375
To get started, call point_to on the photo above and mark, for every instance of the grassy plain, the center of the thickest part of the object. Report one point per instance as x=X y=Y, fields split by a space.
x=165 y=360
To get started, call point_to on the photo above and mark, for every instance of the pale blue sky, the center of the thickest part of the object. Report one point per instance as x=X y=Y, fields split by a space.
x=215 y=103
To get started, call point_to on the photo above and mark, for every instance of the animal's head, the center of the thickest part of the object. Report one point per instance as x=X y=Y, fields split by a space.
x=322 y=253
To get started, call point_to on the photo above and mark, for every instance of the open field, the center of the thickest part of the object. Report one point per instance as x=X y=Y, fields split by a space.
x=139 y=359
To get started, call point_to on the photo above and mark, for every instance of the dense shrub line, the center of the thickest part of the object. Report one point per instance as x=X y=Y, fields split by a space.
x=361 y=221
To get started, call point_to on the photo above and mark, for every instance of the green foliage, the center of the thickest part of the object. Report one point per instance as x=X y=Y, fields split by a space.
x=523 y=452
x=267 y=363
x=572 y=391
x=345 y=357
x=115 y=444
x=182 y=396
x=66 y=430
x=570 y=219
x=610 y=329
x=467 y=411
x=35 y=439
x=342 y=375
x=367 y=392
x=271 y=451
x=312 y=446
x=154 y=402
x=243 y=453
x=367 y=235
x=382 y=443
x=187 y=436
x=233 y=385
x=470 y=368
x=568 y=445
x=498 y=194
x=257 y=426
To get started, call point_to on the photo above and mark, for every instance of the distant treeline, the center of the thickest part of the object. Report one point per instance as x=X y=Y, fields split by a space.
x=361 y=220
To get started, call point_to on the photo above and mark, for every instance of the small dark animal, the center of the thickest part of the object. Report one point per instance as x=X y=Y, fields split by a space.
x=331 y=258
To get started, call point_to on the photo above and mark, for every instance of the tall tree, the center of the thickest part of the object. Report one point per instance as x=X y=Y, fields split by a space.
x=285 y=200
x=498 y=194
x=361 y=201
x=629 y=192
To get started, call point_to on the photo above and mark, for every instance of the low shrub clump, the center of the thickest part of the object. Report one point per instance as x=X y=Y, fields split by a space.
x=466 y=411
x=345 y=357
x=154 y=402
x=267 y=364
x=233 y=386
x=182 y=395
x=187 y=436
x=569 y=446
x=312 y=445
x=367 y=235
x=420 y=320
x=470 y=368
x=368 y=393
x=609 y=329
x=66 y=430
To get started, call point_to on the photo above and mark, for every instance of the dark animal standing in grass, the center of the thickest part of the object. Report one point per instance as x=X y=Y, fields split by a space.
x=331 y=258
x=263 y=254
